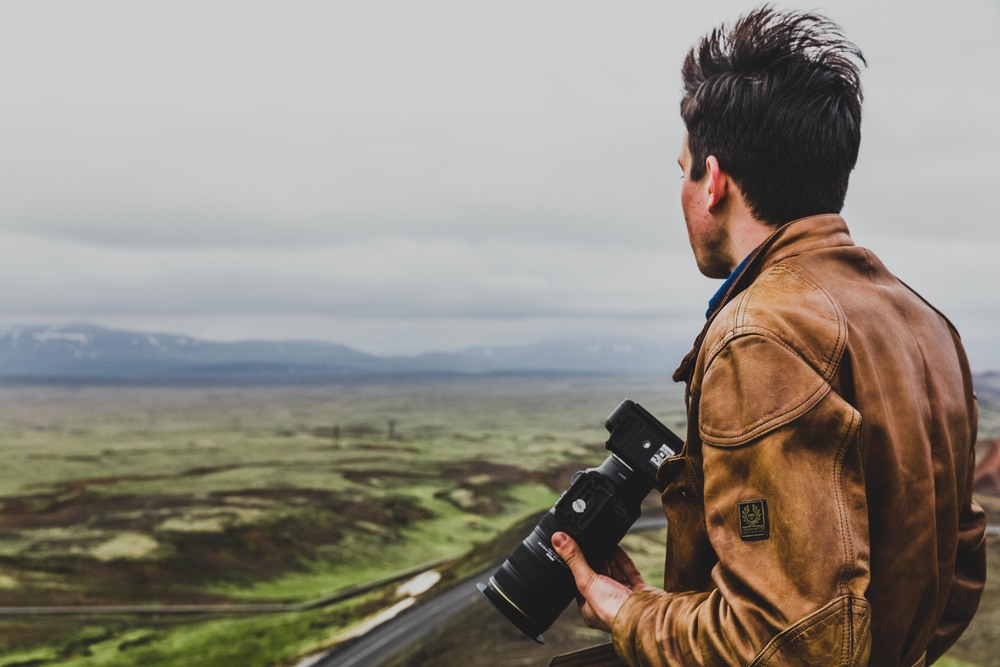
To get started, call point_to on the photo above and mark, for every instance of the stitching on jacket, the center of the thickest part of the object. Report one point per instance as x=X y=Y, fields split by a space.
x=842 y=605
x=822 y=615
x=737 y=322
x=847 y=537
x=859 y=608
x=735 y=332
x=846 y=636
x=831 y=357
x=692 y=484
x=807 y=277
x=744 y=303
x=749 y=330
x=738 y=437
x=843 y=635
x=828 y=362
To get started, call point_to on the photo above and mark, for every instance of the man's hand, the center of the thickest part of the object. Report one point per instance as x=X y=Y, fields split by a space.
x=601 y=596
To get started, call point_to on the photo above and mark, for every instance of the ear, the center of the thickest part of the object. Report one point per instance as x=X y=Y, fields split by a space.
x=718 y=182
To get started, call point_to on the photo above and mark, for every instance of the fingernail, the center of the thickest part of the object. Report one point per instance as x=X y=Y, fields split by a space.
x=558 y=540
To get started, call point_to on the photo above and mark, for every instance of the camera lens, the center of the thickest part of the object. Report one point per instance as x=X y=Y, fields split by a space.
x=533 y=586
x=513 y=588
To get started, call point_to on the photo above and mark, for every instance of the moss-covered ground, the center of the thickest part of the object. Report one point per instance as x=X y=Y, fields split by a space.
x=169 y=496
x=179 y=496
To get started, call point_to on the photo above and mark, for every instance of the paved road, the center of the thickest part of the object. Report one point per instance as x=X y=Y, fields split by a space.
x=391 y=637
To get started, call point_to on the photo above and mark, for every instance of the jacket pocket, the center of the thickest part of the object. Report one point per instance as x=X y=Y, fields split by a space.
x=837 y=634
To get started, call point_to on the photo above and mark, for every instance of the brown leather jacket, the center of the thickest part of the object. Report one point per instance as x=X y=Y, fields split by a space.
x=821 y=510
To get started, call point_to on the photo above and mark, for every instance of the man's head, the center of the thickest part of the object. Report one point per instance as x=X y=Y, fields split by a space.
x=776 y=99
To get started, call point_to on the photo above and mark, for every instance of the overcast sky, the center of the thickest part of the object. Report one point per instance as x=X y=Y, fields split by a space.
x=412 y=176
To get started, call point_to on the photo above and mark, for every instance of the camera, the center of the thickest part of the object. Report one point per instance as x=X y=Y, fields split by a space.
x=534 y=585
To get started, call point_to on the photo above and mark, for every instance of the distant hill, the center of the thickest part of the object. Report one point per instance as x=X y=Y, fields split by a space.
x=988 y=386
x=86 y=353
x=80 y=353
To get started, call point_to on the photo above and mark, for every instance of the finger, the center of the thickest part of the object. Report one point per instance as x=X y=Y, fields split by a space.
x=568 y=550
x=621 y=562
x=615 y=571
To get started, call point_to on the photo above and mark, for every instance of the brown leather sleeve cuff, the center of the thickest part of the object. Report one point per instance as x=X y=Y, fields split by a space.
x=626 y=623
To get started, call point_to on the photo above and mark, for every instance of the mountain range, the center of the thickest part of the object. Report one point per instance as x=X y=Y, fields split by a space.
x=87 y=353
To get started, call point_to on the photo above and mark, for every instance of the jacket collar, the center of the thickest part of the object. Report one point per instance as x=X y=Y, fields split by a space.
x=803 y=235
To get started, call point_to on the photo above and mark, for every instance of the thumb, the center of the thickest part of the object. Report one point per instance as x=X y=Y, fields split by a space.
x=570 y=552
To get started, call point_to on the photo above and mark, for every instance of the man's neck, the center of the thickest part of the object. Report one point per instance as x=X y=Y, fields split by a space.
x=720 y=294
x=745 y=234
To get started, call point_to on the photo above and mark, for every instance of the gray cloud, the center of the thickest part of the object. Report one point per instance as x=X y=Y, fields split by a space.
x=406 y=176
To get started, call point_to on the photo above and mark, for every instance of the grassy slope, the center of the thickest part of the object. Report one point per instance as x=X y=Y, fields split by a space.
x=219 y=495
x=247 y=495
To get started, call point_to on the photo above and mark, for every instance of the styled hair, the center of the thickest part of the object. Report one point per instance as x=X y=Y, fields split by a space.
x=776 y=98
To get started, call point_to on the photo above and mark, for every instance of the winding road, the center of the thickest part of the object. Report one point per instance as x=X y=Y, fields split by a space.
x=393 y=636
x=388 y=639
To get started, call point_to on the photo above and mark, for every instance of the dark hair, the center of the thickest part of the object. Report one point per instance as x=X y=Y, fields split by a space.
x=776 y=99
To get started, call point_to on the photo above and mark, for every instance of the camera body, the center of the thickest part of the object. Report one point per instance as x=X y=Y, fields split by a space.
x=533 y=586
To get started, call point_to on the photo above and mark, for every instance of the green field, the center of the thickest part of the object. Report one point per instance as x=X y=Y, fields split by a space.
x=166 y=496
x=170 y=496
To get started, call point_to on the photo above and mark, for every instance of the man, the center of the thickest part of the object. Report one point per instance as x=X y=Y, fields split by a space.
x=820 y=512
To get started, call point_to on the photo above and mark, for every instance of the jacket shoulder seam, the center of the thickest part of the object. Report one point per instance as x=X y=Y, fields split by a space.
x=793 y=412
x=742 y=323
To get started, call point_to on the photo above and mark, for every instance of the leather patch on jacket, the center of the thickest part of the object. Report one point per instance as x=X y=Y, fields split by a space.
x=754 y=523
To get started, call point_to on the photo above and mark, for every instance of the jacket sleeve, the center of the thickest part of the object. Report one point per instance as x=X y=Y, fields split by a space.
x=970 y=569
x=785 y=511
